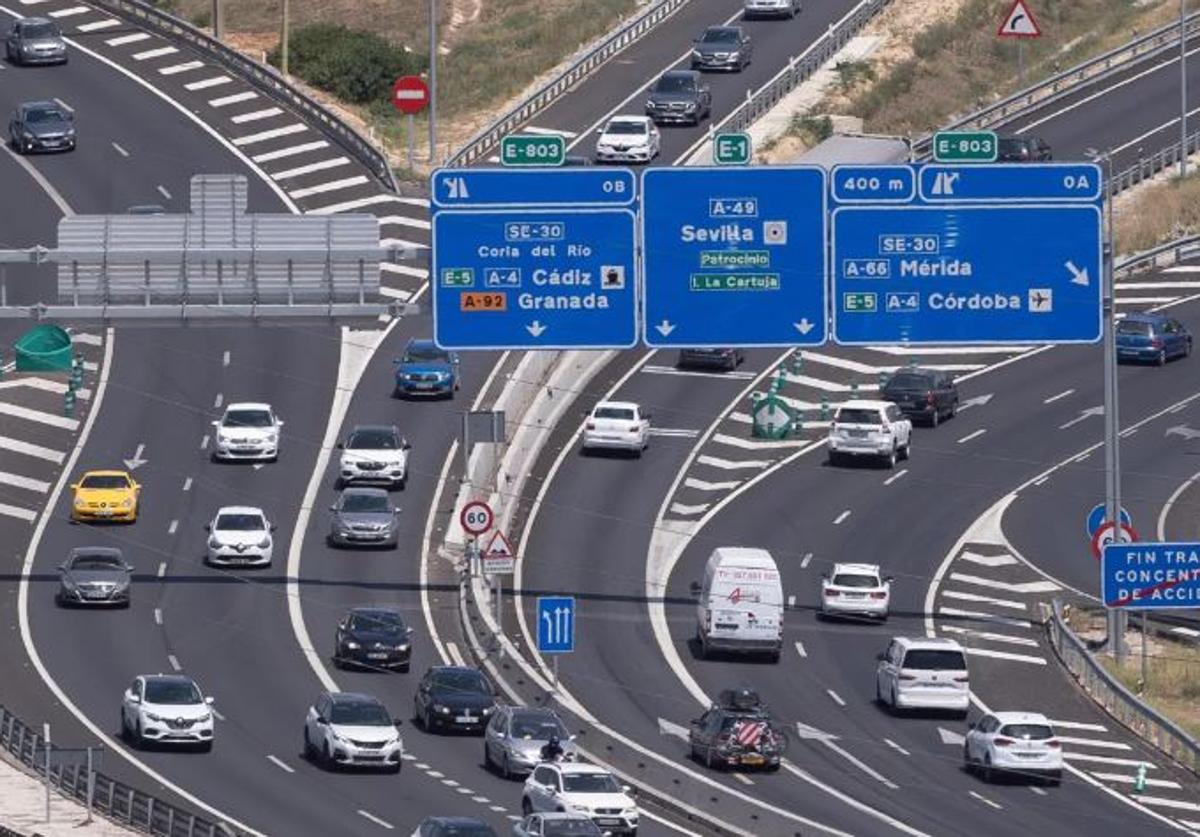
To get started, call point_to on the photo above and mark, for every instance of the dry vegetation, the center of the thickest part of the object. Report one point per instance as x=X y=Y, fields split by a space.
x=1173 y=672
x=1157 y=212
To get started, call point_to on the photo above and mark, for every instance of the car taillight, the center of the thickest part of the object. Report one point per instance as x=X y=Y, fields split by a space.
x=1156 y=343
x=591 y=425
x=831 y=593
x=1002 y=742
x=879 y=594
x=1053 y=743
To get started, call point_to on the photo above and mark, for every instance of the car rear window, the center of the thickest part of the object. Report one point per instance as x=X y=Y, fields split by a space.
x=931 y=659
x=853 y=416
x=570 y=828
x=1033 y=732
x=1133 y=327
x=908 y=380
x=855 y=580
x=614 y=413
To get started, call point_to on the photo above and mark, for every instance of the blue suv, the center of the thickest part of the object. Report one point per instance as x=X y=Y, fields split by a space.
x=1153 y=338
x=425 y=369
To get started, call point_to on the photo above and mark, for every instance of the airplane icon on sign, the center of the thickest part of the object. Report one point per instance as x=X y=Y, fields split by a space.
x=1041 y=300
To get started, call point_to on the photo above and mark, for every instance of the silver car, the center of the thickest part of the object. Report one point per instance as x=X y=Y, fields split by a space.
x=364 y=517
x=94 y=575
x=515 y=737
x=556 y=824
x=35 y=40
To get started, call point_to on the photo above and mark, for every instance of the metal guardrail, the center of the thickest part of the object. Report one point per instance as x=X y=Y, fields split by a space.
x=1118 y=701
x=489 y=137
x=1147 y=167
x=264 y=77
x=1164 y=255
x=119 y=802
x=1062 y=84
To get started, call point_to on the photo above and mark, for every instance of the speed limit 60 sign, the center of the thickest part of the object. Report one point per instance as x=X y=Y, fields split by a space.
x=476 y=517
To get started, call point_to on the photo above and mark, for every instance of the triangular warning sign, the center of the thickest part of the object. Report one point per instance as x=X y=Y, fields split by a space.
x=498 y=545
x=1019 y=23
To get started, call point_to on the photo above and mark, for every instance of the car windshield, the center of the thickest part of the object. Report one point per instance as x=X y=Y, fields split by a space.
x=590 y=783
x=570 y=828
x=468 y=829
x=385 y=623
x=909 y=381
x=537 y=727
x=623 y=413
x=173 y=692
x=365 y=503
x=373 y=440
x=462 y=681
x=43 y=115
x=720 y=36
x=240 y=522
x=360 y=714
x=1032 y=732
x=248 y=418
x=853 y=416
x=1011 y=146
x=97 y=562
x=426 y=354
x=39 y=30
x=105 y=481
x=675 y=84
x=929 y=659
x=626 y=127
x=855 y=580
x=1135 y=327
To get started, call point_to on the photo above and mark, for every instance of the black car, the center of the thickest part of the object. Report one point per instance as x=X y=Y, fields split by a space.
x=737 y=731
x=453 y=827
x=727 y=359
x=679 y=96
x=35 y=40
x=455 y=697
x=722 y=48
x=41 y=126
x=1023 y=150
x=374 y=637
x=922 y=394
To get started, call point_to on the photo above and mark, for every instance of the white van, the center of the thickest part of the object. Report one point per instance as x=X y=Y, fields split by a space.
x=741 y=603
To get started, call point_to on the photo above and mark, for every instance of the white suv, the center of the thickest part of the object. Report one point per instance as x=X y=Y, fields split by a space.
x=1020 y=743
x=585 y=789
x=374 y=453
x=856 y=590
x=166 y=709
x=923 y=673
x=352 y=729
x=869 y=428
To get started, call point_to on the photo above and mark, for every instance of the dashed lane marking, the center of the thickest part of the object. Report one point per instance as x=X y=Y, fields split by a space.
x=174 y=662
x=1061 y=395
x=175 y=69
x=219 y=400
x=679 y=432
x=382 y=823
x=743 y=778
x=158 y=616
x=836 y=697
x=895 y=476
x=800 y=649
x=896 y=747
x=255 y=115
x=986 y=801
x=1039 y=791
x=971 y=436
x=187 y=484
x=162 y=569
x=120 y=150
x=281 y=764
x=225 y=358
x=204 y=442
x=696 y=373
x=837 y=521
x=173 y=527
x=162 y=190
x=805 y=560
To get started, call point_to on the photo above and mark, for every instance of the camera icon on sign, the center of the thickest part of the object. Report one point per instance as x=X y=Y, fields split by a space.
x=612 y=277
x=775 y=232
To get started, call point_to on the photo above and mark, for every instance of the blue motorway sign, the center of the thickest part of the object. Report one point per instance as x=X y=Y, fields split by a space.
x=1099 y=513
x=1006 y=183
x=966 y=274
x=466 y=188
x=555 y=624
x=1151 y=576
x=734 y=257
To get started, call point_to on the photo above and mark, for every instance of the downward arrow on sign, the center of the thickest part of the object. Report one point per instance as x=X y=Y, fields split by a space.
x=535 y=328
x=664 y=328
x=1078 y=277
x=804 y=326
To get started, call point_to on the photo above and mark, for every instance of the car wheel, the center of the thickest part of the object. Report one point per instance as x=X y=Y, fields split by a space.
x=124 y=727
x=139 y=741
x=989 y=775
x=1187 y=348
x=308 y=747
x=892 y=703
x=904 y=450
x=1054 y=780
x=205 y=746
x=427 y=720
x=708 y=762
x=1161 y=360
x=889 y=459
x=835 y=458
x=526 y=808
x=327 y=757
x=505 y=769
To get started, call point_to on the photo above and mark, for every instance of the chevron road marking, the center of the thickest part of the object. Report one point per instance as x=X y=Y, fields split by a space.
x=973 y=597
x=1006 y=655
x=1109 y=760
x=990 y=637
x=695 y=373
x=18 y=481
x=159 y=52
x=1094 y=742
x=98 y=25
x=688 y=511
x=731 y=465
x=18 y=512
x=869 y=369
x=273 y=133
x=290 y=151
x=233 y=99
x=329 y=186
x=988 y=560
x=71 y=12
x=36 y=451
x=702 y=485
x=1079 y=725
x=127 y=39
x=404 y=220
x=1163 y=802
x=331 y=163
x=175 y=69
x=757 y=444
x=39 y=416
x=985 y=617
x=1130 y=779
x=1015 y=587
x=402 y=243
x=204 y=84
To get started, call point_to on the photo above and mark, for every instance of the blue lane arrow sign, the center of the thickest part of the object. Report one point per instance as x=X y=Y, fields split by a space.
x=466 y=188
x=1097 y=516
x=556 y=624
x=1019 y=182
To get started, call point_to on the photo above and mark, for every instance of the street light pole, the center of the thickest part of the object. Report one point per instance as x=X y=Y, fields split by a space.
x=432 y=81
x=1183 y=109
x=283 y=39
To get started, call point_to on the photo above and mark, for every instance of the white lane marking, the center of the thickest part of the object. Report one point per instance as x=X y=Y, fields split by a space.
x=1061 y=395
x=1013 y=587
x=805 y=560
x=187 y=484
x=986 y=801
x=971 y=436
x=1144 y=300
x=329 y=186
x=290 y=151
x=828 y=741
x=1041 y=480
x=990 y=637
x=757 y=444
x=405 y=221
x=120 y=150
x=173 y=527
x=434 y=774
x=869 y=369
x=497 y=808
x=71 y=12
x=98 y=25
x=87 y=338
x=1129 y=779
x=948 y=350
x=154 y=53
x=1037 y=790
x=731 y=465
x=896 y=747
x=1006 y=655
x=1163 y=802
x=895 y=476
x=174 y=662
x=1188 y=632
x=836 y=697
x=225 y=358
x=1161 y=526
x=205 y=83
x=688 y=510
x=38 y=416
x=282 y=765
x=332 y=163
x=394 y=293
x=162 y=569
x=1157 y=286
x=219 y=400
x=828 y=386
x=1101 y=743
x=651 y=369
x=204 y=442
x=800 y=649
x=361 y=203
x=29 y=449
x=975 y=597
x=18 y=512
x=1072 y=756
x=127 y=39
x=550 y=132
x=979 y=615
x=88 y=365
x=273 y=133
x=704 y=485
x=680 y=432
x=28 y=483
x=233 y=99
x=450 y=783
x=162 y=190
x=837 y=521
x=455 y=654
x=1079 y=725
x=743 y=778
x=255 y=115
x=64 y=105
x=404 y=270
x=175 y=69
x=791 y=601
x=403 y=243
x=368 y=815
x=158 y=616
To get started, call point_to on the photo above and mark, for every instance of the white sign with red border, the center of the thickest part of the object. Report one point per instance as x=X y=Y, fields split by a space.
x=497 y=557
x=1019 y=23
x=1105 y=535
x=476 y=517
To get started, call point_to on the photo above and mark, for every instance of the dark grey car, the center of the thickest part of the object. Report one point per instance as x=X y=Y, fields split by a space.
x=364 y=517
x=927 y=395
x=94 y=575
x=679 y=96
x=35 y=40
x=516 y=735
x=41 y=126
x=722 y=48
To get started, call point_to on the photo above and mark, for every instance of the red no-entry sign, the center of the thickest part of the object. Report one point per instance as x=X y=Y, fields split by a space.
x=410 y=94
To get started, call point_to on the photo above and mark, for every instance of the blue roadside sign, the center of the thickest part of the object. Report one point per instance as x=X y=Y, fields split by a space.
x=1099 y=513
x=1013 y=182
x=526 y=259
x=734 y=257
x=1150 y=576
x=556 y=624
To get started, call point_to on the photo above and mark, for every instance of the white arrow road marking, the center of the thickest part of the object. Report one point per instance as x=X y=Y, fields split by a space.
x=1090 y=412
x=950 y=736
x=1182 y=430
x=664 y=328
x=535 y=328
x=1017 y=587
x=1078 y=277
x=137 y=461
x=814 y=734
x=977 y=401
x=666 y=727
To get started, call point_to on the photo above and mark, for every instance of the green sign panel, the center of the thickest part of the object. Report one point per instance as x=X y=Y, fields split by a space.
x=773 y=419
x=859 y=303
x=965 y=147
x=735 y=281
x=732 y=149
x=458 y=277
x=530 y=150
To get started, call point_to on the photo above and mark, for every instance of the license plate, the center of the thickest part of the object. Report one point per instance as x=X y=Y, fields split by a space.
x=607 y=821
x=854 y=595
x=753 y=760
x=464 y=719
x=858 y=434
x=104 y=512
x=377 y=656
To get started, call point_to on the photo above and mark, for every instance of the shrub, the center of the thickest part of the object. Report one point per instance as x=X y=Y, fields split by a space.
x=355 y=66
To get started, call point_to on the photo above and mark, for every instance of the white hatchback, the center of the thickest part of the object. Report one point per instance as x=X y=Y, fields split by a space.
x=1015 y=743
x=240 y=535
x=248 y=431
x=617 y=425
x=856 y=590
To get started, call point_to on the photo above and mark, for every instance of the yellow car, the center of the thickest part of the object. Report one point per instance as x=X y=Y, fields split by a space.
x=105 y=495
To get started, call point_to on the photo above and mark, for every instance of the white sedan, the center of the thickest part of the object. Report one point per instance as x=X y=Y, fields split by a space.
x=240 y=535
x=856 y=590
x=166 y=709
x=628 y=139
x=617 y=425
x=248 y=431
x=1016 y=743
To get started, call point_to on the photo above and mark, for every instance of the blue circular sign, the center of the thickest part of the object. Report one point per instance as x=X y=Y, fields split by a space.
x=1096 y=516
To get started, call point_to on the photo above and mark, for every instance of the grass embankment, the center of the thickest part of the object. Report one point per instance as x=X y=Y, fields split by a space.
x=1156 y=212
